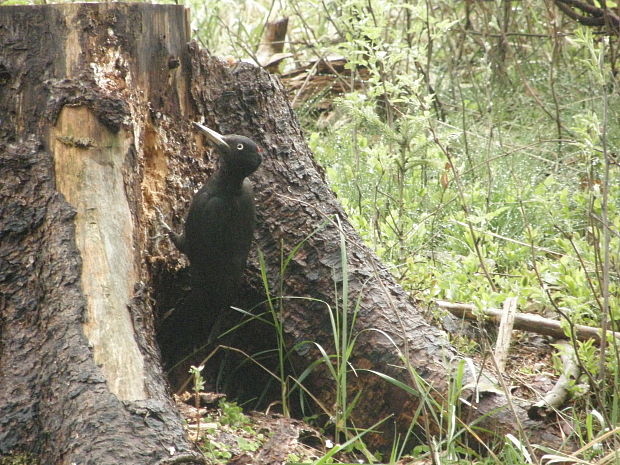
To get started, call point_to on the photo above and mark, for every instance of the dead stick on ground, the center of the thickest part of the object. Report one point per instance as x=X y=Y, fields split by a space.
x=556 y=397
x=526 y=322
x=505 y=333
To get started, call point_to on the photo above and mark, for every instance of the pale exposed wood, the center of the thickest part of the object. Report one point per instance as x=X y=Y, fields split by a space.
x=269 y=53
x=525 y=321
x=556 y=397
x=89 y=160
x=504 y=336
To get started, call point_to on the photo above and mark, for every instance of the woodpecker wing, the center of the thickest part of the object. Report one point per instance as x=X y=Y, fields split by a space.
x=219 y=230
x=205 y=228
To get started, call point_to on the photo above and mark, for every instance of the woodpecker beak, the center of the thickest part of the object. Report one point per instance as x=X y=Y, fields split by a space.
x=213 y=136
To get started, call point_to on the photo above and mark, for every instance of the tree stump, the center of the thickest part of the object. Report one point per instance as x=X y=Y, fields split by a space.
x=80 y=375
x=96 y=104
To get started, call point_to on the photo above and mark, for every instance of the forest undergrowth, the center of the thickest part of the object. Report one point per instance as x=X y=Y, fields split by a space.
x=476 y=151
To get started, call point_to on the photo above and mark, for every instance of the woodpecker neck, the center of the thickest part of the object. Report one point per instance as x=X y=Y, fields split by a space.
x=230 y=178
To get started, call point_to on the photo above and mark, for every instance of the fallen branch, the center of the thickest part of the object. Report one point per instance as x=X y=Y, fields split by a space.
x=592 y=15
x=526 y=322
x=556 y=397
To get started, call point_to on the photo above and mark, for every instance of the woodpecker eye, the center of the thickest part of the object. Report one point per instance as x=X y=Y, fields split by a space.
x=239 y=146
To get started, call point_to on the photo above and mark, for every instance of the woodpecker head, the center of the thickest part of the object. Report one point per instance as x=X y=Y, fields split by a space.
x=238 y=153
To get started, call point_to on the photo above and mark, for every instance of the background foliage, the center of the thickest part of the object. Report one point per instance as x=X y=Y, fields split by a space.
x=479 y=155
x=477 y=152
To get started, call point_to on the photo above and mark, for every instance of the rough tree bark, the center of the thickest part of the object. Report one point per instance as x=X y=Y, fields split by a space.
x=80 y=377
x=96 y=102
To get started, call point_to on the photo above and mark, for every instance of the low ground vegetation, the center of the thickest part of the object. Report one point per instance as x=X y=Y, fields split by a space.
x=477 y=153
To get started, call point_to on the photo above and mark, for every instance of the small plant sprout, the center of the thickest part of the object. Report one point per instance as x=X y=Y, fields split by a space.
x=198 y=386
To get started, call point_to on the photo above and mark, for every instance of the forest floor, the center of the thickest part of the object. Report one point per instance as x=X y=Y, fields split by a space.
x=228 y=435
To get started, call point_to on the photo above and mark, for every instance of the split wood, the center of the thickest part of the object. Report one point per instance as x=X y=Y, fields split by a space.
x=502 y=346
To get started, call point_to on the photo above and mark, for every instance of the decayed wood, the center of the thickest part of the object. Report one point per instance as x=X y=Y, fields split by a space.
x=80 y=377
x=526 y=321
x=556 y=397
x=321 y=81
x=89 y=175
x=504 y=334
x=269 y=53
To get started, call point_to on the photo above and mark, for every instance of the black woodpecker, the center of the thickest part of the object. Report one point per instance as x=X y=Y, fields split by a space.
x=219 y=228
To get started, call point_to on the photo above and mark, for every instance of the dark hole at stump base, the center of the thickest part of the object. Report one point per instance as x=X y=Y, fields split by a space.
x=227 y=371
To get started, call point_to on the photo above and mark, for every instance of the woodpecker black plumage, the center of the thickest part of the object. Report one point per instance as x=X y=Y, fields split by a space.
x=220 y=225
